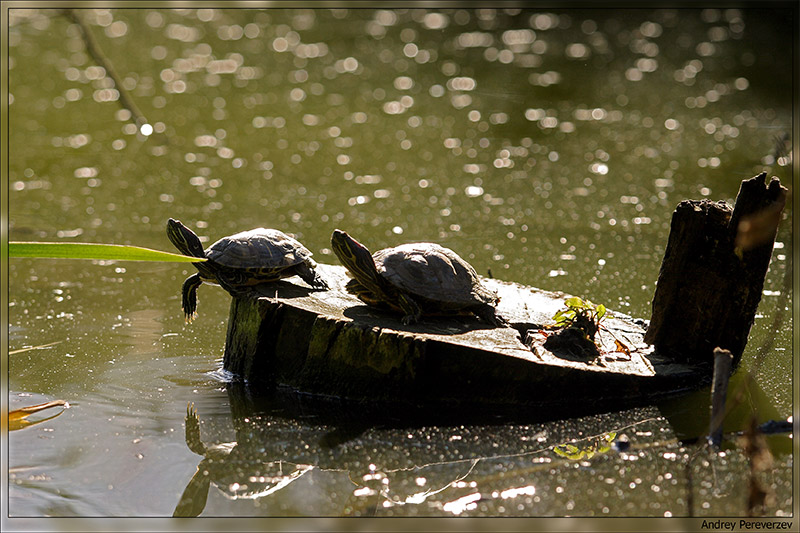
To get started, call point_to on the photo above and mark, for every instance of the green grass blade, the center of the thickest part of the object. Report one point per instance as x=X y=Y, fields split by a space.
x=81 y=250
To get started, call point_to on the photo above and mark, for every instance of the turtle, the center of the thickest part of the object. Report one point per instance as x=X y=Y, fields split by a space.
x=421 y=278
x=248 y=258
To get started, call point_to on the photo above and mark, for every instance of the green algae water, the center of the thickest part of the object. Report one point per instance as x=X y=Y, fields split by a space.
x=548 y=147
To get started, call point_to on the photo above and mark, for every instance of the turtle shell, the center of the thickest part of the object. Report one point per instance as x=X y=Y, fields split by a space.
x=261 y=251
x=433 y=273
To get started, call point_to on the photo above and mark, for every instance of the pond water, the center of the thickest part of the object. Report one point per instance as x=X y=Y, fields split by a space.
x=549 y=148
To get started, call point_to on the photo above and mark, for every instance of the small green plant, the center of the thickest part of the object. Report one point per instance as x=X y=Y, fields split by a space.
x=578 y=324
x=581 y=314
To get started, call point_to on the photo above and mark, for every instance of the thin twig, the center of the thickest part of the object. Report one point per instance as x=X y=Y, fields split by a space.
x=719 y=388
x=100 y=58
x=12 y=352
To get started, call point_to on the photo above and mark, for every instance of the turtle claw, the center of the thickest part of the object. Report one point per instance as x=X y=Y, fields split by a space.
x=410 y=319
x=319 y=283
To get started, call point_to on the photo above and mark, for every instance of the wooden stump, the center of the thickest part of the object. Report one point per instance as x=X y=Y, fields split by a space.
x=713 y=271
x=330 y=344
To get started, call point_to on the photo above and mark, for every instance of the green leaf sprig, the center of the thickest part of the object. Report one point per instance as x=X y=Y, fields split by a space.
x=81 y=250
x=576 y=307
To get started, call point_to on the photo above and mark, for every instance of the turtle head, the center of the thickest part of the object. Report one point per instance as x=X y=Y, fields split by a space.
x=184 y=239
x=356 y=258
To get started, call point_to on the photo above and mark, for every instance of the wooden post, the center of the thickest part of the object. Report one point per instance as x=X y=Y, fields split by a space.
x=710 y=283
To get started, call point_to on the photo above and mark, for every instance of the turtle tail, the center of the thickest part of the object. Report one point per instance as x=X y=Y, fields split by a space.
x=184 y=239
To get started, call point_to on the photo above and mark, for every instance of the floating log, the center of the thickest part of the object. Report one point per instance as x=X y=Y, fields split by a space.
x=329 y=343
x=711 y=279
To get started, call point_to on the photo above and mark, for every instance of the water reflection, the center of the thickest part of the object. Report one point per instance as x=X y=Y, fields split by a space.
x=286 y=444
x=281 y=437
x=225 y=465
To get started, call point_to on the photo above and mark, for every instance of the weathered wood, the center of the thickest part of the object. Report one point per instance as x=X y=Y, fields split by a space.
x=330 y=343
x=709 y=288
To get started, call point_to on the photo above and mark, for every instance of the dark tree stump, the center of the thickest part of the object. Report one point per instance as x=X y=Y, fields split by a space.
x=328 y=343
x=713 y=271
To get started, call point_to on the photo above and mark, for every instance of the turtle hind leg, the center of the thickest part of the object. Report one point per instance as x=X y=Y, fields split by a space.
x=311 y=276
x=189 y=296
x=489 y=314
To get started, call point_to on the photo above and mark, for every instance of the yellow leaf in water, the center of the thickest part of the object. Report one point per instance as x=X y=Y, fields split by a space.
x=18 y=418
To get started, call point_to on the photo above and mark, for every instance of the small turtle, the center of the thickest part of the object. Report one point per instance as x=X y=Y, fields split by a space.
x=417 y=279
x=247 y=258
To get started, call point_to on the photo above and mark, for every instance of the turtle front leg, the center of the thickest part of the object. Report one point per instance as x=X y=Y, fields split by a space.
x=311 y=276
x=411 y=309
x=189 y=299
x=489 y=314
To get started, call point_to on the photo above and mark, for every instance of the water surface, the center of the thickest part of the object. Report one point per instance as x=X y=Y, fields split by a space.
x=549 y=148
